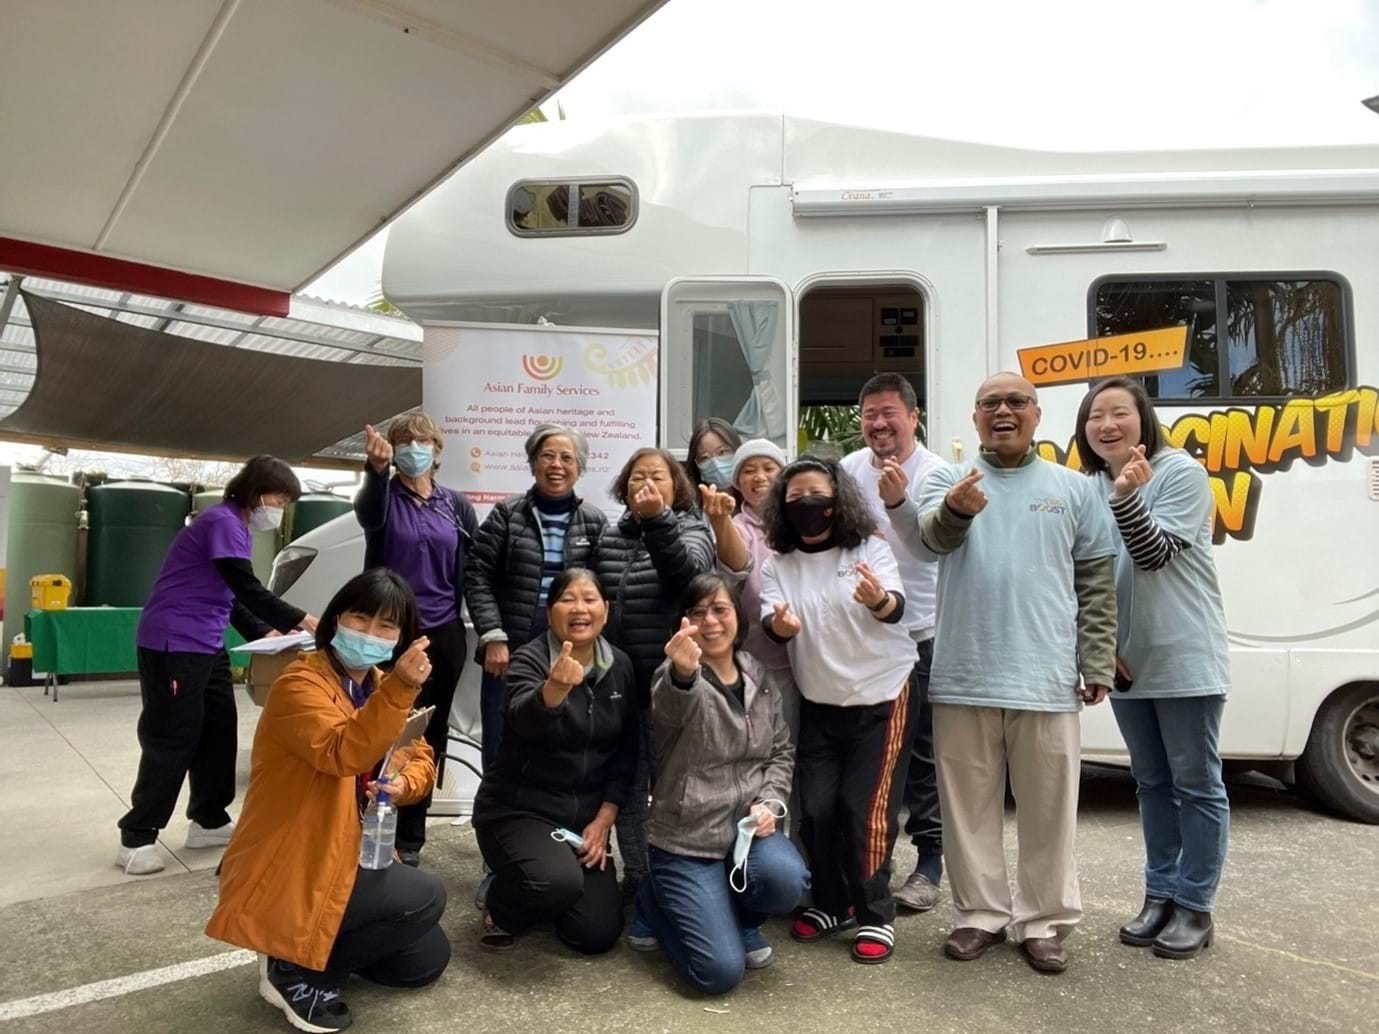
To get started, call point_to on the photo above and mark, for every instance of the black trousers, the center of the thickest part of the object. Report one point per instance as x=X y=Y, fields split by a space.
x=924 y=825
x=539 y=880
x=851 y=765
x=188 y=727
x=390 y=933
x=447 y=659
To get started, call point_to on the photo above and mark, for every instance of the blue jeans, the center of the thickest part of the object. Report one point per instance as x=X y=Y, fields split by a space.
x=1184 y=810
x=699 y=918
x=491 y=690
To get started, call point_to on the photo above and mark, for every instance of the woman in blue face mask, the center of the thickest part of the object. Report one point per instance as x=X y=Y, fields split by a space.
x=720 y=864
x=424 y=532
x=711 y=447
x=291 y=887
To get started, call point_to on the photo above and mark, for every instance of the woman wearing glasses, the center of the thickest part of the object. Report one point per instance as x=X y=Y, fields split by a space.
x=720 y=865
x=1174 y=665
x=712 y=445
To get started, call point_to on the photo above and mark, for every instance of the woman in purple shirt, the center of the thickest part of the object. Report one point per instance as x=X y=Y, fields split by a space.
x=188 y=726
x=424 y=532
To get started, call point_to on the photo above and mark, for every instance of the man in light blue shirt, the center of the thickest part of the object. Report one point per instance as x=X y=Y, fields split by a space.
x=1026 y=634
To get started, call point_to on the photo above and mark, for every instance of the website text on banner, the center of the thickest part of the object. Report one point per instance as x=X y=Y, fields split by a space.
x=489 y=385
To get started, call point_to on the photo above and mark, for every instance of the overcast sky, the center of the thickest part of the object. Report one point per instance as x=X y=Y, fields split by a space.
x=1058 y=75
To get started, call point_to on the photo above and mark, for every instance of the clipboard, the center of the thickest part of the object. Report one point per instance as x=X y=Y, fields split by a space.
x=414 y=730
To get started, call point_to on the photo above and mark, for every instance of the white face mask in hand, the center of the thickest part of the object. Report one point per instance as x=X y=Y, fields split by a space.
x=266 y=518
x=742 y=846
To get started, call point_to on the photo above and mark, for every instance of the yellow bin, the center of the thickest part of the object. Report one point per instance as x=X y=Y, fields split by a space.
x=50 y=591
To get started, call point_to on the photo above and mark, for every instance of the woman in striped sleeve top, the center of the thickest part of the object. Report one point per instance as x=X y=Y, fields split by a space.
x=1173 y=667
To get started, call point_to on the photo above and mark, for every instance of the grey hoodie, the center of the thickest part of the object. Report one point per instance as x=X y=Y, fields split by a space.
x=714 y=758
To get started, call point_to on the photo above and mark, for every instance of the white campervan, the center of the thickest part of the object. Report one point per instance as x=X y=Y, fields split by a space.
x=786 y=260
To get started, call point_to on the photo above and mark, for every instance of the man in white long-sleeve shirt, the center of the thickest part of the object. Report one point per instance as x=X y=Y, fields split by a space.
x=890 y=425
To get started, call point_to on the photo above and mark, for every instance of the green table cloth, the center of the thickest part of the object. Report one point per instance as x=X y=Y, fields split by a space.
x=90 y=640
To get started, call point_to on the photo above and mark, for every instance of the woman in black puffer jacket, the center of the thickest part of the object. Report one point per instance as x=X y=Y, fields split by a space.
x=645 y=562
x=525 y=541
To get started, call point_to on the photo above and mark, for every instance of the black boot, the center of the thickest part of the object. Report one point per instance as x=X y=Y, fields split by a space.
x=1186 y=934
x=1153 y=917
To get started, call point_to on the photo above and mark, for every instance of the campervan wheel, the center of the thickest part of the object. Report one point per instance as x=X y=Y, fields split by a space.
x=1340 y=766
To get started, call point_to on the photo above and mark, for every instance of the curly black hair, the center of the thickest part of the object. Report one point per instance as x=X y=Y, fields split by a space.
x=852 y=519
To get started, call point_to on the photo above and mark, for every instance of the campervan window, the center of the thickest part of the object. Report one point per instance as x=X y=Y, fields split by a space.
x=544 y=208
x=1249 y=336
x=722 y=381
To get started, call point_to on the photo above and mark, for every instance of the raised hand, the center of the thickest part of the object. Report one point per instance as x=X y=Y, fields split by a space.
x=683 y=651
x=893 y=484
x=377 y=449
x=869 y=592
x=718 y=506
x=647 y=501
x=566 y=671
x=965 y=497
x=414 y=666
x=784 y=623
x=1135 y=473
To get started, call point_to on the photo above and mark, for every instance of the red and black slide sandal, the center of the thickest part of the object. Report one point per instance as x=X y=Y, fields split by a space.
x=873 y=944
x=814 y=925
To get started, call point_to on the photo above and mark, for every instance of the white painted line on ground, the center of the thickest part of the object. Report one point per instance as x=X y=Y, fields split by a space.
x=88 y=993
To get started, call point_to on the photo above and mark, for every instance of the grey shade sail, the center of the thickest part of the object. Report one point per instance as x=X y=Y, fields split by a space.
x=105 y=384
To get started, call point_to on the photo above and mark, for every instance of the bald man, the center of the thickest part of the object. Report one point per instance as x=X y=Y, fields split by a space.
x=1026 y=635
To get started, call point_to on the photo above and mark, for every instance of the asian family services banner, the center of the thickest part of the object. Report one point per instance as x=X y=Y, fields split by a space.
x=489 y=385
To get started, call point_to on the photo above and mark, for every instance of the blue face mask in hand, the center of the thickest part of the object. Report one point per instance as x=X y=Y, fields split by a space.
x=358 y=651
x=717 y=471
x=573 y=839
x=414 y=459
x=742 y=846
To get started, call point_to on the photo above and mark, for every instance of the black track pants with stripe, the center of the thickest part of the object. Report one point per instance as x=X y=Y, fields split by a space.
x=850 y=767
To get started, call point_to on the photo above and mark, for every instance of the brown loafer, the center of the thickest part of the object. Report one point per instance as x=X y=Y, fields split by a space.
x=1046 y=954
x=967 y=943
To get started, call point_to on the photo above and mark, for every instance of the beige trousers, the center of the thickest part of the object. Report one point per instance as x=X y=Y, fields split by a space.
x=973 y=748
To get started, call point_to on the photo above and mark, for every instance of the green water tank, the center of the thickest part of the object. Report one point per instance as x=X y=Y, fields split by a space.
x=43 y=521
x=130 y=525
x=265 y=542
x=314 y=509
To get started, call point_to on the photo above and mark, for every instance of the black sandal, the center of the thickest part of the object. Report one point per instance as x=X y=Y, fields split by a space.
x=494 y=937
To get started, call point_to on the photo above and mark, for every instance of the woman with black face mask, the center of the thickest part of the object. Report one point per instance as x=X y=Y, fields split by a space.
x=832 y=593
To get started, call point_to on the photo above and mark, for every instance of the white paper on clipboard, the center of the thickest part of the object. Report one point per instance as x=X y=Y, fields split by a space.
x=414 y=730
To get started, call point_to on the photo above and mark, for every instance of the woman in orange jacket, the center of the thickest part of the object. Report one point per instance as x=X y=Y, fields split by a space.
x=290 y=885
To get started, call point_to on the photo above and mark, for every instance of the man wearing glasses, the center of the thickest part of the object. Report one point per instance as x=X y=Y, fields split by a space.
x=1026 y=635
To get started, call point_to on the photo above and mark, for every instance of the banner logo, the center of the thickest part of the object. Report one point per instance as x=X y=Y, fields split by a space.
x=542 y=367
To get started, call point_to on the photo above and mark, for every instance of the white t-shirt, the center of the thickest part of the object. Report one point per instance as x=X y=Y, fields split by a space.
x=843 y=655
x=1007 y=614
x=919 y=575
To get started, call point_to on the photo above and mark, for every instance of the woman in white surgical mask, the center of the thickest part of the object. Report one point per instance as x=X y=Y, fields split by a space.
x=188 y=726
x=423 y=531
x=720 y=863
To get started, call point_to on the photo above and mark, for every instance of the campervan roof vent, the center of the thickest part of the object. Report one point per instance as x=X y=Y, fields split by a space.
x=1374 y=479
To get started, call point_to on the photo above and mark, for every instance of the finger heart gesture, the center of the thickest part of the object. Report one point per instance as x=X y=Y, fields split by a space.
x=717 y=505
x=1135 y=473
x=567 y=671
x=893 y=484
x=869 y=592
x=413 y=667
x=647 y=502
x=784 y=622
x=683 y=651
x=965 y=497
x=377 y=449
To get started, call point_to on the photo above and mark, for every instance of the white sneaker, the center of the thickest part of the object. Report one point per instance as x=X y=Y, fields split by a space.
x=139 y=861
x=199 y=836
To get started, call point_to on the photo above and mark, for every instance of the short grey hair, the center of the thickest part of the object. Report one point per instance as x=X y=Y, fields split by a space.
x=544 y=431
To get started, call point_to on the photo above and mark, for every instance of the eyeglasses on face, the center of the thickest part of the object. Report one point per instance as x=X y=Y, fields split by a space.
x=721 y=612
x=991 y=403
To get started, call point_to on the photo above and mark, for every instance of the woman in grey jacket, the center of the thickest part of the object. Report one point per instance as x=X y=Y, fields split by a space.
x=719 y=865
